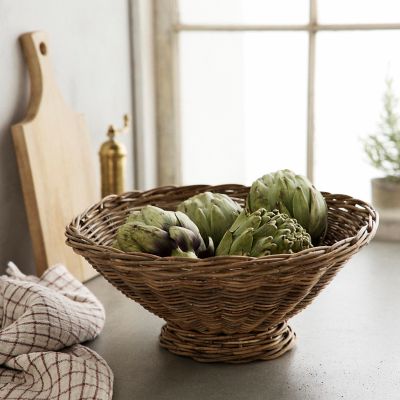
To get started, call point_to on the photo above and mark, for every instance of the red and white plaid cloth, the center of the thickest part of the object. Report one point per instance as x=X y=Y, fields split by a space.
x=42 y=322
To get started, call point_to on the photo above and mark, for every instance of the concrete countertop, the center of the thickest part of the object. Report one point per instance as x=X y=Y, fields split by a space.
x=348 y=345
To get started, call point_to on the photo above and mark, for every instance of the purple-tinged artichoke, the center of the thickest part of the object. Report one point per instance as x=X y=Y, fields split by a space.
x=164 y=233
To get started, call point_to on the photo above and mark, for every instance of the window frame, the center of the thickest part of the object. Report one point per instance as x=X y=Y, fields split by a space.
x=166 y=27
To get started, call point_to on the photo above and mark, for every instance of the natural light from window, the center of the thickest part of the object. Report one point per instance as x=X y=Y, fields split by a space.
x=243 y=95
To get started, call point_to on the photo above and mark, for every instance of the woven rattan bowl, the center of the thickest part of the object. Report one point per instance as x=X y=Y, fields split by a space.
x=226 y=308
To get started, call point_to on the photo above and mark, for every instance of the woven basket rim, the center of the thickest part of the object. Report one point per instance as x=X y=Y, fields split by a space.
x=73 y=234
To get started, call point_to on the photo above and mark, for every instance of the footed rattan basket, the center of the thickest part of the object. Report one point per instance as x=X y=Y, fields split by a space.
x=227 y=308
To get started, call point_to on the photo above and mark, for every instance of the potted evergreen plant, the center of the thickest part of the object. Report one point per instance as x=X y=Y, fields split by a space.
x=383 y=152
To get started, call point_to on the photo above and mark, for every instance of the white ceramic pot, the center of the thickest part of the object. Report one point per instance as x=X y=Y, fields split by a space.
x=386 y=199
x=385 y=193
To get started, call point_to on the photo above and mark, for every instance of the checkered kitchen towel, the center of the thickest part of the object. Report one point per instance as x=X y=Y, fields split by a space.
x=42 y=322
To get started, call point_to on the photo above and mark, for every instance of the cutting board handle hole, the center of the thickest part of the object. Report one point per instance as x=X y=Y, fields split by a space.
x=43 y=48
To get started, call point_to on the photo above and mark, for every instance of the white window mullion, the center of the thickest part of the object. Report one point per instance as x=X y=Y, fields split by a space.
x=310 y=89
x=237 y=27
x=167 y=92
x=276 y=27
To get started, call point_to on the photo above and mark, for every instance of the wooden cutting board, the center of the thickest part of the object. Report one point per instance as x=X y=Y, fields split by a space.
x=55 y=163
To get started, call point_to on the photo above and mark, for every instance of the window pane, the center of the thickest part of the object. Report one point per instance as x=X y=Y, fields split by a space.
x=243 y=105
x=244 y=11
x=350 y=82
x=358 y=11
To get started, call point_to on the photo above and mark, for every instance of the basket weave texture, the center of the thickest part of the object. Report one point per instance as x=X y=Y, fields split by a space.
x=232 y=297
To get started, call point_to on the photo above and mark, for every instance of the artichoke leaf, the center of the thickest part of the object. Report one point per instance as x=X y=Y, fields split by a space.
x=160 y=219
x=152 y=239
x=185 y=239
x=300 y=208
x=217 y=223
x=242 y=245
x=225 y=244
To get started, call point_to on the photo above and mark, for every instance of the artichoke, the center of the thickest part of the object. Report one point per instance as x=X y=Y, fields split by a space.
x=164 y=233
x=213 y=213
x=262 y=233
x=293 y=195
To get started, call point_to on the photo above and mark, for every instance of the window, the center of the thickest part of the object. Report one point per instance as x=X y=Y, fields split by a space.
x=259 y=85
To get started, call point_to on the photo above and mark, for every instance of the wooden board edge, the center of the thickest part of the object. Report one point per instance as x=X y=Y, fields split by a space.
x=31 y=206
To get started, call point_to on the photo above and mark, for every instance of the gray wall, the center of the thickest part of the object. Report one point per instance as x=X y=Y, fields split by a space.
x=90 y=51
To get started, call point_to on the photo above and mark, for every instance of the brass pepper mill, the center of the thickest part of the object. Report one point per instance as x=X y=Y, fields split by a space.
x=112 y=161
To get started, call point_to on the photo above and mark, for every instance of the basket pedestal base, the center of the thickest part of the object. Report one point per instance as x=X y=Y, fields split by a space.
x=236 y=348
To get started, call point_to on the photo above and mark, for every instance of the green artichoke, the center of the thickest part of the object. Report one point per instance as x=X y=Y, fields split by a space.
x=293 y=195
x=213 y=213
x=262 y=233
x=164 y=233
